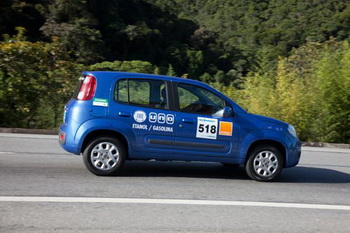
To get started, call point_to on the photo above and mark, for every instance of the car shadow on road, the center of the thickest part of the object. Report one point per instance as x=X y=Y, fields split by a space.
x=182 y=169
x=299 y=174
x=303 y=174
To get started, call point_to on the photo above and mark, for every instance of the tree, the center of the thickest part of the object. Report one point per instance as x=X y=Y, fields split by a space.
x=171 y=71
x=334 y=85
x=125 y=66
x=76 y=28
x=309 y=89
x=34 y=76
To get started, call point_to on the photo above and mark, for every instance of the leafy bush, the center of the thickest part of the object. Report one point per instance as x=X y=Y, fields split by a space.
x=35 y=81
x=126 y=66
x=309 y=89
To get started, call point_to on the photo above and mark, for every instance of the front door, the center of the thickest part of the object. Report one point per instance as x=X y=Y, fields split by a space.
x=201 y=128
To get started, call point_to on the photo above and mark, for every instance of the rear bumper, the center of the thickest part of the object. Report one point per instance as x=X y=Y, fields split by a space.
x=66 y=140
x=61 y=137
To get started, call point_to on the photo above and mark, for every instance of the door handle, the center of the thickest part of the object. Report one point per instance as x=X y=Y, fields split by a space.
x=124 y=114
x=187 y=120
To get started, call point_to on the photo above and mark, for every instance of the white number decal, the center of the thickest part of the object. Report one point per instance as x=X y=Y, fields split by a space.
x=207 y=128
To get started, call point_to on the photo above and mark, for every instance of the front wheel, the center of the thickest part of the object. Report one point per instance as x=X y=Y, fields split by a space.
x=104 y=156
x=265 y=163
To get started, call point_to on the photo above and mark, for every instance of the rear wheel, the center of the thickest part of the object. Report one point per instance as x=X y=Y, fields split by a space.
x=265 y=163
x=104 y=156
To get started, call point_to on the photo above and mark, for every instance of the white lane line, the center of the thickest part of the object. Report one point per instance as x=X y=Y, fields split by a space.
x=4 y=152
x=28 y=136
x=172 y=202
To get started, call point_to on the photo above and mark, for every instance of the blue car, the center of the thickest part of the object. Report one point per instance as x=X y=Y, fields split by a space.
x=115 y=116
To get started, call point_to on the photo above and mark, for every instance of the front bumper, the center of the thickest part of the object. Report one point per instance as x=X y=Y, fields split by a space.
x=293 y=153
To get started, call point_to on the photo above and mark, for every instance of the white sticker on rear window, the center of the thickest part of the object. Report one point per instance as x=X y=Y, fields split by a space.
x=207 y=128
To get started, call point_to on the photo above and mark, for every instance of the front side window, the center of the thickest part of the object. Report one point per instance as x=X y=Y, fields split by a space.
x=194 y=99
x=140 y=92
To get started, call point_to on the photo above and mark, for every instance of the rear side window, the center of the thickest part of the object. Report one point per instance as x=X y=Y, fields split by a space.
x=122 y=93
x=141 y=92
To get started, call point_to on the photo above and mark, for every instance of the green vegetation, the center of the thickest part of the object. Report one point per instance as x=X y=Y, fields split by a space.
x=286 y=59
x=35 y=80
x=309 y=89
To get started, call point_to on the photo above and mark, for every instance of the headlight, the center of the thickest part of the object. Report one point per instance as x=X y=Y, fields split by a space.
x=292 y=131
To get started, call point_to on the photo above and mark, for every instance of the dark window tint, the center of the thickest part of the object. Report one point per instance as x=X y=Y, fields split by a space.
x=140 y=92
x=195 y=99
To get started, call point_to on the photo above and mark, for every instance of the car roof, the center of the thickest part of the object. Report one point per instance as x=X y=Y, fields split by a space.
x=113 y=74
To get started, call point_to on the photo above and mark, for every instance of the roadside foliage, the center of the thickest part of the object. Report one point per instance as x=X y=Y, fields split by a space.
x=310 y=89
x=35 y=81
x=285 y=59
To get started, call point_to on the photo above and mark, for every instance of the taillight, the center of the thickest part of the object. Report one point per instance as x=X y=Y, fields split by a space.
x=87 y=88
x=62 y=137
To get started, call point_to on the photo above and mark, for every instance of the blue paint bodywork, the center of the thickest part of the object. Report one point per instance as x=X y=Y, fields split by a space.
x=82 y=119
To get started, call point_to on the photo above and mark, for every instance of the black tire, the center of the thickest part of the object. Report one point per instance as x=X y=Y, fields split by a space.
x=264 y=163
x=104 y=156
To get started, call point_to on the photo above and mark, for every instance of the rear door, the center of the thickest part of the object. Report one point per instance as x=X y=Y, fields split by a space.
x=141 y=109
x=201 y=129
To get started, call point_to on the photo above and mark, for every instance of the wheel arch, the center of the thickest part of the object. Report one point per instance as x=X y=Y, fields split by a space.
x=104 y=132
x=281 y=148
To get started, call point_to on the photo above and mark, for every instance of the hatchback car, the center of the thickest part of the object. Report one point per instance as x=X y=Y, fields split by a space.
x=114 y=116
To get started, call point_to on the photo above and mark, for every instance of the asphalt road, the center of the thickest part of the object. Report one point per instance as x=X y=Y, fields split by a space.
x=44 y=189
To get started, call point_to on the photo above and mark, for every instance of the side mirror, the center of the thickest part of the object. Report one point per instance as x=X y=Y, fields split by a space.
x=225 y=112
x=228 y=112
